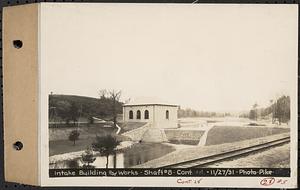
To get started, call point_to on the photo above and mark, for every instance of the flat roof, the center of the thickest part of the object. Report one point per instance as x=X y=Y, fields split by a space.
x=150 y=104
x=149 y=101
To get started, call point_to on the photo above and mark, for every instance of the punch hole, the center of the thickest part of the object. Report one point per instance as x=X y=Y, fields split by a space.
x=17 y=44
x=18 y=145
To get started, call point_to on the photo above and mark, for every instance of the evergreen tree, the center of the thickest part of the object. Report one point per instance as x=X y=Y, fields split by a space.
x=74 y=136
x=106 y=145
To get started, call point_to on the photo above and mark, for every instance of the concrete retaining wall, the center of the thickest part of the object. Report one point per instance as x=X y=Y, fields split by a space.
x=154 y=134
x=137 y=134
x=183 y=134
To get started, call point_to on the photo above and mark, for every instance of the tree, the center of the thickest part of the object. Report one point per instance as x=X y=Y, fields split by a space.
x=66 y=110
x=63 y=110
x=102 y=94
x=74 y=136
x=87 y=158
x=115 y=97
x=271 y=110
x=60 y=107
x=74 y=112
x=282 y=109
x=106 y=145
x=279 y=109
x=253 y=112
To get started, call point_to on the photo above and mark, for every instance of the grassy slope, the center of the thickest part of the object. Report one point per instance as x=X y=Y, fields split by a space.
x=86 y=138
x=227 y=134
x=64 y=146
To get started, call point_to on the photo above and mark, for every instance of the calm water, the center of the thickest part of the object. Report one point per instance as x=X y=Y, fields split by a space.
x=137 y=154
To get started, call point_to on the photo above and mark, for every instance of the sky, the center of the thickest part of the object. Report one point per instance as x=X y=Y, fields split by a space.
x=205 y=57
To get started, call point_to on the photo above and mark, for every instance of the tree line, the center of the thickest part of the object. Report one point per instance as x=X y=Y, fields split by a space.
x=69 y=108
x=188 y=112
x=278 y=110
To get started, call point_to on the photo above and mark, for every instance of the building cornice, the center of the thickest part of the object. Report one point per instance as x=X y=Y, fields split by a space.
x=133 y=105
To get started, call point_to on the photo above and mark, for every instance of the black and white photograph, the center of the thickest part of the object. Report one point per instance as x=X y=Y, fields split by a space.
x=106 y=132
x=134 y=95
x=210 y=86
x=210 y=98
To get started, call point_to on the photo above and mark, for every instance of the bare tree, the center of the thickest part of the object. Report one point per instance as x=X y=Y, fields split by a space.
x=103 y=93
x=115 y=97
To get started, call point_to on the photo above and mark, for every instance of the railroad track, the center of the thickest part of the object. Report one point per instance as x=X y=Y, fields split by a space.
x=204 y=161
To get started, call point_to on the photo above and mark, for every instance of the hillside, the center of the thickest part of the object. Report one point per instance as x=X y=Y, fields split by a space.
x=71 y=107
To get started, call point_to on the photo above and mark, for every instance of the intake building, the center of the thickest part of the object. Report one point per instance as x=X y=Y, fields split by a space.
x=157 y=113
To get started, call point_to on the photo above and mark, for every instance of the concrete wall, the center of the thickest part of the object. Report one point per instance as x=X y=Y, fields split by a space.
x=137 y=134
x=183 y=134
x=126 y=110
x=154 y=134
x=147 y=133
x=160 y=119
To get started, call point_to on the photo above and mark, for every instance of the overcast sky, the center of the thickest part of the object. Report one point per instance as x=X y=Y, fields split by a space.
x=204 y=57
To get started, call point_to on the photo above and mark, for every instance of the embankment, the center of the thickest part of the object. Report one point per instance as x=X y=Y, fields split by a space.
x=189 y=137
x=228 y=134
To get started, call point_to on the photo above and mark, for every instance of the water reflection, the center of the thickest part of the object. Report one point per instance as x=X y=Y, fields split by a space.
x=137 y=154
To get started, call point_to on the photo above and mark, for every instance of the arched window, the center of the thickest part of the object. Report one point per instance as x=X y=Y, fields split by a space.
x=167 y=114
x=130 y=114
x=146 y=114
x=138 y=114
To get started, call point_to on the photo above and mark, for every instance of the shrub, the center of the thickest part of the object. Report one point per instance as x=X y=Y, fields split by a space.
x=74 y=136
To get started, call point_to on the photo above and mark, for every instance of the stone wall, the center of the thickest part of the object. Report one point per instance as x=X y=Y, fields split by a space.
x=147 y=133
x=183 y=134
x=154 y=134
x=137 y=134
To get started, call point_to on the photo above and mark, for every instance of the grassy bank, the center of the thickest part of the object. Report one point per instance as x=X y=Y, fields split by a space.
x=65 y=146
x=59 y=142
x=228 y=134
